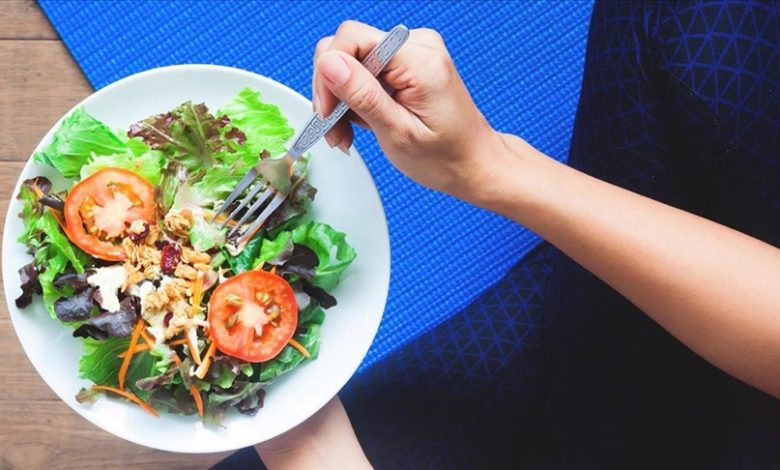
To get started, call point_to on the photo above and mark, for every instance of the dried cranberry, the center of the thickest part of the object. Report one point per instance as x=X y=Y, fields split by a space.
x=160 y=244
x=167 y=319
x=169 y=259
x=139 y=237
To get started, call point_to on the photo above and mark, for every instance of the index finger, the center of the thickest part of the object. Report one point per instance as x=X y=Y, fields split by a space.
x=356 y=38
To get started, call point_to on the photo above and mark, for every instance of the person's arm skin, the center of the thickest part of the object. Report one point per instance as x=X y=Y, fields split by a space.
x=713 y=288
x=325 y=441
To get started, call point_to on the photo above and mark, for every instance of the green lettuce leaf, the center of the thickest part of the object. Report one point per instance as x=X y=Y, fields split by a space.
x=53 y=235
x=51 y=249
x=79 y=136
x=313 y=314
x=224 y=376
x=332 y=249
x=293 y=209
x=175 y=399
x=55 y=265
x=271 y=249
x=149 y=165
x=145 y=365
x=53 y=256
x=225 y=369
x=137 y=146
x=205 y=236
x=190 y=135
x=245 y=260
x=99 y=363
x=290 y=358
x=32 y=211
x=334 y=253
x=171 y=188
x=219 y=181
x=263 y=124
x=246 y=396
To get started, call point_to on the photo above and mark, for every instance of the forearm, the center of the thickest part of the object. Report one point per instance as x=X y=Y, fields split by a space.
x=712 y=287
x=326 y=441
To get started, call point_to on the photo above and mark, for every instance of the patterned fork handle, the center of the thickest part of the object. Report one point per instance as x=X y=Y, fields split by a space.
x=375 y=62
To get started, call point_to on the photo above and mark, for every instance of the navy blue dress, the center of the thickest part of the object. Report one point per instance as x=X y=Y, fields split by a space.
x=551 y=367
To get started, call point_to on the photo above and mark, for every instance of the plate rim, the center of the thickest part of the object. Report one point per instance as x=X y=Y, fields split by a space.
x=193 y=67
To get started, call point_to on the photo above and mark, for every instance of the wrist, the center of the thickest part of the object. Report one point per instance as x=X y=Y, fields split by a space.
x=517 y=180
x=474 y=170
x=497 y=159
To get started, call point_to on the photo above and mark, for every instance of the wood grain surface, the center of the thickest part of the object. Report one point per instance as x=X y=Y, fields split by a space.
x=39 y=82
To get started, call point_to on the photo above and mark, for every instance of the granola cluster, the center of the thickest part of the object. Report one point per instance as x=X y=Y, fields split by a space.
x=168 y=306
x=178 y=223
x=143 y=259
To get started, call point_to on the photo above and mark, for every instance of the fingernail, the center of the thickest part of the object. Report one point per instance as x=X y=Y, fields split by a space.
x=329 y=140
x=315 y=104
x=344 y=148
x=334 y=69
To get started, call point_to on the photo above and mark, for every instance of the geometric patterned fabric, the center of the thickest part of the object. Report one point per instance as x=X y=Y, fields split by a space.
x=551 y=368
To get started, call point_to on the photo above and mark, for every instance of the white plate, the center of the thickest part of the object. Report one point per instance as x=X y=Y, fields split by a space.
x=347 y=199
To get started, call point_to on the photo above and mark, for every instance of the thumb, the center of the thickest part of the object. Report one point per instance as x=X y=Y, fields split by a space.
x=353 y=84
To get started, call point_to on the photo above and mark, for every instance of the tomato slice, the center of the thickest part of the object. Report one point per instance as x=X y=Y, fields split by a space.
x=100 y=208
x=253 y=315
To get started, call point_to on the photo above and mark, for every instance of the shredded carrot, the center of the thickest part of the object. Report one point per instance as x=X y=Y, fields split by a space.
x=198 y=399
x=197 y=293
x=176 y=359
x=38 y=193
x=130 y=396
x=194 y=390
x=145 y=346
x=220 y=218
x=177 y=342
x=129 y=353
x=299 y=347
x=193 y=351
x=273 y=270
x=149 y=340
x=203 y=369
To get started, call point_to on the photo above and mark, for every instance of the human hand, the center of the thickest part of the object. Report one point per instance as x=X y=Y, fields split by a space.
x=429 y=128
x=324 y=441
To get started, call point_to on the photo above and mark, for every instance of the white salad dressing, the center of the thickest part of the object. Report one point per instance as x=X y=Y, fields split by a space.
x=141 y=291
x=154 y=320
x=108 y=280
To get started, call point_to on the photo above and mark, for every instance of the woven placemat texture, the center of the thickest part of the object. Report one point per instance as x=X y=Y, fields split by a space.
x=522 y=62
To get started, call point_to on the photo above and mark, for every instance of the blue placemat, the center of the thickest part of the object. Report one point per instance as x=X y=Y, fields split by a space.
x=522 y=62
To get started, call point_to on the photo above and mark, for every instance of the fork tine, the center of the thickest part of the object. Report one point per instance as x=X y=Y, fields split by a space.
x=248 y=179
x=261 y=199
x=251 y=195
x=258 y=223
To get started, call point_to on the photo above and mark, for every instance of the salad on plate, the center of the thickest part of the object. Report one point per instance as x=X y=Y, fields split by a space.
x=126 y=251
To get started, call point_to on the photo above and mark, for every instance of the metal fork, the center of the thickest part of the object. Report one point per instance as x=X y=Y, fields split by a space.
x=276 y=172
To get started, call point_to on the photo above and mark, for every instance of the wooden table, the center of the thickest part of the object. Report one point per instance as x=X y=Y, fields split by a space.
x=39 y=82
